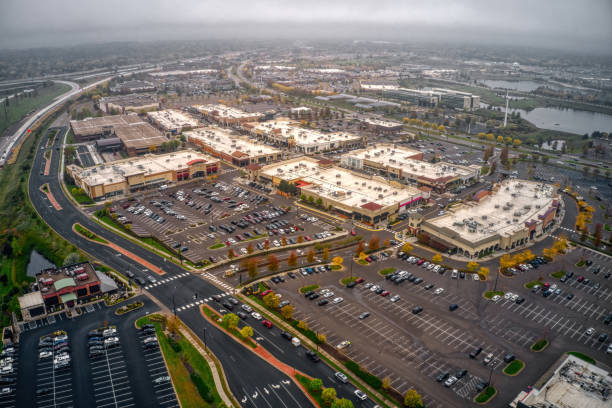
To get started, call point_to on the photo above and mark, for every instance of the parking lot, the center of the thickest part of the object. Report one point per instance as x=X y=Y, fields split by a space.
x=96 y=368
x=413 y=349
x=204 y=221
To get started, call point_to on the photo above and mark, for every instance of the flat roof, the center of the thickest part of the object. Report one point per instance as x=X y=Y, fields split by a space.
x=221 y=140
x=382 y=123
x=340 y=185
x=287 y=129
x=573 y=384
x=90 y=126
x=130 y=100
x=31 y=299
x=503 y=212
x=226 y=112
x=399 y=157
x=140 y=135
x=149 y=164
x=170 y=119
x=52 y=280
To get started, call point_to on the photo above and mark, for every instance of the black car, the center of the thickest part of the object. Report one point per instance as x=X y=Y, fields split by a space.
x=520 y=300
x=323 y=302
x=417 y=310
x=313 y=296
x=474 y=353
x=286 y=335
x=43 y=391
x=508 y=358
x=461 y=373
x=453 y=307
x=307 y=294
x=442 y=376
x=603 y=337
x=7 y=380
x=351 y=284
x=147 y=326
x=228 y=305
x=313 y=356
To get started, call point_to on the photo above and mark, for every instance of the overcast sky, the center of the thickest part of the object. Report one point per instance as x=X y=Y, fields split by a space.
x=570 y=24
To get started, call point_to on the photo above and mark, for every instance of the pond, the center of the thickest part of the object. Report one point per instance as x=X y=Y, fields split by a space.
x=37 y=263
x=568 y=120
x=522 y=86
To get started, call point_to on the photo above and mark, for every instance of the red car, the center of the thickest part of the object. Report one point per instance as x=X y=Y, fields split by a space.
x=360 y=280
x=385 y=293
x=307 y=238
x=265 y=292
x=353 y=233
x=420 y=262
x=267 y=323
x=580 y=278
x=368 y=259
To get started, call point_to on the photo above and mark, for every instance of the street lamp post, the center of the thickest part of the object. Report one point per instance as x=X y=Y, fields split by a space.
x=204 y=331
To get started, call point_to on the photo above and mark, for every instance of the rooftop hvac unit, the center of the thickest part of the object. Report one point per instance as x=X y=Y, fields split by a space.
x=338 y=175
x=538 y=206
x=363 y=200
x=496 y=205
x=380 y=196
x=507 y=221
x=484 y=217
x=339 y=183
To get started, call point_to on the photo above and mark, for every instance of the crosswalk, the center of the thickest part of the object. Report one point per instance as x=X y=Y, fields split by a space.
x=218 y=281
x=164 y=281
x=200 y=302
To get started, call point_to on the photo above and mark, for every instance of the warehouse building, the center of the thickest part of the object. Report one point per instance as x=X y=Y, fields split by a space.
x=367 y=199
x=227 y=115
x=140 y=138
x=133 y=86
x=286 y=133
x=406 y=165
x=96 y=128
x=127 y=176
x=514 y=213
x=239 y=151
x=128 y=103
x=172 y=121
x=435 y=97
x=382 y=126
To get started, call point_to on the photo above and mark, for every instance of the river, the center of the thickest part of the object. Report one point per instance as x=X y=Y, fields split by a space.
x=568 y=120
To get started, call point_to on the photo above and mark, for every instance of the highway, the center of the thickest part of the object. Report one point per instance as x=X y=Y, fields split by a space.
x=10 y=142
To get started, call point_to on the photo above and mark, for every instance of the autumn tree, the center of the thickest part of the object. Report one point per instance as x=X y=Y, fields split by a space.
x=407 y=248
x=310 y=257
x=360 y=248
x=597 y=234
x=472 y=266
x=328 y=395
x=271 y=300
x=413 y=399
x=252 y=268
x=325 y=255
x=386 y=383
x=292 y=260
x=272 y=263
x=287 y=312
x=230 y=320
x=250 y=248
x=172 y=324
x=374 y=243
x=437 y=258
x=338 y=260
x=483 y=272
x=300 y=239
x=302 y=325
x=230 y=253
x=246 y=331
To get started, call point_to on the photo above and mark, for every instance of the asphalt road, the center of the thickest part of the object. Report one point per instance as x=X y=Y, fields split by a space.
x=233 y=357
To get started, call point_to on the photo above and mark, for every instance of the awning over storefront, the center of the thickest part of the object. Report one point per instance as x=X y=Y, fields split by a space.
x=68 y=297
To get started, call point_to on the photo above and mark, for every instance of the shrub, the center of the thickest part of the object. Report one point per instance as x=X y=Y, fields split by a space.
x=203 y=389
x=369 y=379
x=174 y=344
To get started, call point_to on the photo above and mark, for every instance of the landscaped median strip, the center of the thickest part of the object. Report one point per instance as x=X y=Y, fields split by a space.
x=377 y=397
x=260 y=351
x=83 y=231
x=50 y=197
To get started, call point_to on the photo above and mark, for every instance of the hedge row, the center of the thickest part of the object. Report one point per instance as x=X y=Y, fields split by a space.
x=369 y=379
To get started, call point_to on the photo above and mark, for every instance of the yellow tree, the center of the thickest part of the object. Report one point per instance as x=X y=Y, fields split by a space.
x=508 y=139
x=472 y=266
x=490 y=136
x=481 y=135
x=413 y=399
x=528 y=255
x=246 y=331
x=292 y=260
x=287 y=312
x=407 y=248
x=302 y=325
x=310 y=257
x=483 y=272
x=441 y=129
x=500 y=139
x=437 y=258
x=517 y=142
x=549 y=253
x=271 y=300
x=338 y=260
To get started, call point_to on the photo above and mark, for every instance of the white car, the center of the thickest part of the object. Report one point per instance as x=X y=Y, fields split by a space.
x=337 y=300
x=450 y=381
x=361 y=395
x=439 y=291
x=475 y=277
x=161 y=379
x=247 y=308
x=508 y=295
x=45 y=354
x=496 y=298
x=374 y=288
x=431 y=266
x=256 y=316
x=589 y=331
x=328 y=294
x=343 y=344
x=243 y=250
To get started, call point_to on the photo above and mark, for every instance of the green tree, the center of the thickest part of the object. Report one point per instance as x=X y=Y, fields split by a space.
x=72 y=258
x=315 y=385
x=328 y=395
x=319 y=202
x=342 y=403
x=413 y=399
x=230 y=320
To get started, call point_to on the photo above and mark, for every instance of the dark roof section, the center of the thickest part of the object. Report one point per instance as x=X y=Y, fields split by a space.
x=372 y=206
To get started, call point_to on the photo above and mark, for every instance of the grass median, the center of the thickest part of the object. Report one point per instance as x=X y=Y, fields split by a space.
x=190 y=373
x=486 y=395
x=583 y=357
x=492 y=293
x=88 y=234
x=514 y=368
x=387 y=271
x=539 y=345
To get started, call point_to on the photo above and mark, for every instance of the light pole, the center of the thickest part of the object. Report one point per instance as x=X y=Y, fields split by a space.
x=204 y=332
x=173 y=304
